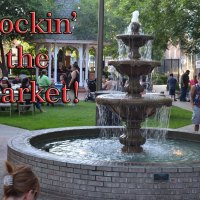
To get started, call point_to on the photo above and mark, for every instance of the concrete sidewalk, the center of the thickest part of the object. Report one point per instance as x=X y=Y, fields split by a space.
x=6 y=132
x=162 y=88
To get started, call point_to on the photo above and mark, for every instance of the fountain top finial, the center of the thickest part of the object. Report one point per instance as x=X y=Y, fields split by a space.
x=135 y=26
x=135 y=16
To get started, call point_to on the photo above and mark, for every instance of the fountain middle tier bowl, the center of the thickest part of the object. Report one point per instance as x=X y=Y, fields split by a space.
x=134 y=67
x=149 y=99
x=128 y=107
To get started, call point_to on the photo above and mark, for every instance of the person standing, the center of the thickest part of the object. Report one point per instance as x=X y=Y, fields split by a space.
x=73 y=77
x=184 y=85
x=172 y=86
x=195 y=101
x=193 y=81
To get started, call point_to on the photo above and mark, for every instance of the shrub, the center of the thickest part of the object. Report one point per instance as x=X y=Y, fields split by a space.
x=17 y=72
x=159 y=79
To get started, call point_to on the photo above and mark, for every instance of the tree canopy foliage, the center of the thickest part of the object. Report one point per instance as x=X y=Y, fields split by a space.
x=176 y=21
x=87 y=21
x=16 y=9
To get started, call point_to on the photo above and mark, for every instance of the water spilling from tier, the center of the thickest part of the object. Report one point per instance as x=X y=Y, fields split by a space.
x=133 y=107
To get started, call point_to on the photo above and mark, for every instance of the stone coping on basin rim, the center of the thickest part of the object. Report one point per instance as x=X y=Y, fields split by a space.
x=20 y=145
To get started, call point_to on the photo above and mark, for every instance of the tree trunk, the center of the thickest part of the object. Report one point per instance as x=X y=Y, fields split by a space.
x=3 y=64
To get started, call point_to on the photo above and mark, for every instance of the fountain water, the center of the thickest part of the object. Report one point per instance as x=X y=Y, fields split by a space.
x=133 y=107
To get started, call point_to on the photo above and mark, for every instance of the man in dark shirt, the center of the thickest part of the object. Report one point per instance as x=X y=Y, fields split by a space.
x=184 y=85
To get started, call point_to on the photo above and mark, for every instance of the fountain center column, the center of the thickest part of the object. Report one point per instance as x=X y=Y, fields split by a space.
x=133 y=87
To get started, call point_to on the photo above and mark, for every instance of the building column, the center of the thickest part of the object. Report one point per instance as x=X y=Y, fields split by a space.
x=86 y=62
x=96 y=63
x=37 y=69
x=50 y=59
x=55 y=62
x=80 y=50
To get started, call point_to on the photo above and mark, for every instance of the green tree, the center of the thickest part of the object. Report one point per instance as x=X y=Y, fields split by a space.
x=172 y=21
x=87 y=21
x=116 y=22
x=15 y=9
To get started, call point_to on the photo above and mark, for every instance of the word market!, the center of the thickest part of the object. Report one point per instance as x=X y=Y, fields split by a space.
x=8 y=95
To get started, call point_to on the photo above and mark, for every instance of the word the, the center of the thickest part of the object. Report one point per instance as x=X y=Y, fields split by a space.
x=41 y=57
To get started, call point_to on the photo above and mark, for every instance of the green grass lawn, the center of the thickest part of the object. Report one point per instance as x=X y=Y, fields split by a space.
x=83 y=114
x=180 y=117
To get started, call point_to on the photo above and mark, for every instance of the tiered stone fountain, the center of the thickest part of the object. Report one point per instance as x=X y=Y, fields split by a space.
x=133 y=107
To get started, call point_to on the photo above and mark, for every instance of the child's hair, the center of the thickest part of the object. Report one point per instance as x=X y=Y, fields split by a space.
x=20 y=180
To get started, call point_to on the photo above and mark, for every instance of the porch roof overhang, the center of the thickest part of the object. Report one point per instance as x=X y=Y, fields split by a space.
x=64 y=42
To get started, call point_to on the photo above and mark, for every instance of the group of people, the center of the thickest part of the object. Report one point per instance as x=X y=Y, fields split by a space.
x=172 y=83
x=67 y=78
x=44 y=82
x=185 y=84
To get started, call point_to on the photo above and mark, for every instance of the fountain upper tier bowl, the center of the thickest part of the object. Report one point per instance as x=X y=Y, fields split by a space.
x=134 y=67
x=136 y=40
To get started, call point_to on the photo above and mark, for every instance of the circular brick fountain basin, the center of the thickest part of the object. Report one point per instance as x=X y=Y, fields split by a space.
x=105 y=180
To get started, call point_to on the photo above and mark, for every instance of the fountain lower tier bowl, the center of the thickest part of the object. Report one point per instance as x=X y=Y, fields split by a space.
x=134 y=67
x=76 y=177
x=133 y=109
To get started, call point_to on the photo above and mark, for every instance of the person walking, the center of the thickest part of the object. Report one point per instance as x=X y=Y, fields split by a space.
x=172 y=86
x=195 y=101
x=184 y=85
